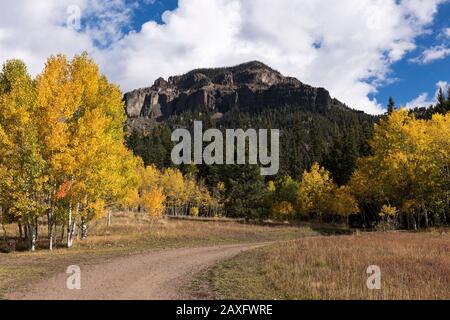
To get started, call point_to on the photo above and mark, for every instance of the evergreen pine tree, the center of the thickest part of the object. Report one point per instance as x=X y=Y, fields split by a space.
x=350 y=157
x=245 y=191
x=391 y=105
x=441 y=106
x=448 y=100
x=341 y=160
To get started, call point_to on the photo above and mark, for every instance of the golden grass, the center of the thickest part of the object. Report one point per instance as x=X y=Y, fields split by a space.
x=137 y=231
x=129 y=233
x=413 y=266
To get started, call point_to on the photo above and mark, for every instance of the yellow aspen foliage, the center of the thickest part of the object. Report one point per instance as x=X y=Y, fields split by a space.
x=343 y=203
x=283 y=211
x=132 y=199
x=81 y=118
x=271 y=187
x=181 y=192
x=173 y=183
x=195 y=211
x=388 y=215
x=153 y=201
x=409 y=167
x=208 y=199
x=95 y=209
x=122 y=180
x=58 y=99
x=315 y=191
x=388 y=211
x=150 y=177
x=22 y=175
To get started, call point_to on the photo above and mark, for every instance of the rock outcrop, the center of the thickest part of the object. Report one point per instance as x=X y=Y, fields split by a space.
x=248 y=87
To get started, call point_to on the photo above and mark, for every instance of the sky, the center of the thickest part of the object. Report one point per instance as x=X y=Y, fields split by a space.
x=362 y=51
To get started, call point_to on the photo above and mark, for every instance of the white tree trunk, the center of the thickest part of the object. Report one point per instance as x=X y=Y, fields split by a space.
x=69 y=230
x=70 y=227
x=50 y=229
x=70 y=233
x=50 y=238
x=84 y=229
x=32 y=237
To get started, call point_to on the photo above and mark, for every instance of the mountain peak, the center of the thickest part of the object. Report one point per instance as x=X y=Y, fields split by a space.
x=246 y=66
x=249 y=73
x=251 y=86
x=255 y=64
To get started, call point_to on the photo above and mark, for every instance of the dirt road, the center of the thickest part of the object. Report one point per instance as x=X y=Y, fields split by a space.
x=148 y=276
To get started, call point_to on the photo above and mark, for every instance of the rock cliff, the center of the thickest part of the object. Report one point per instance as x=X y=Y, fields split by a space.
x=248 y=87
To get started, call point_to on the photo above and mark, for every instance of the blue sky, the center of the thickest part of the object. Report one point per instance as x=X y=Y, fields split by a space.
x=362 y=51
x=408 y=80
x=413 y=79
x=152 y=11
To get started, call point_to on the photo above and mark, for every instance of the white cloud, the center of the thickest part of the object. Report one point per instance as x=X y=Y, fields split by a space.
x=436 y=52
x=442 y=85
x=447 y=32
x=106 y=20
x=432 y=54
x=345 y=46
x=33 y=30
x=424 y=100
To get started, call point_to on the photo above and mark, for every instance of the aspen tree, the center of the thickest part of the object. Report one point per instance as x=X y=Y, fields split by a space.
x=409 y=168
x=58 y=100
x=22 y=176
x=315 y=191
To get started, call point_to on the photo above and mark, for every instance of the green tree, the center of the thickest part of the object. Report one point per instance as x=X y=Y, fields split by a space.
x=441 y=105
x=245 y=192
x=342 y=158
x=287 y=190
x=448 y=99
x=391 y=105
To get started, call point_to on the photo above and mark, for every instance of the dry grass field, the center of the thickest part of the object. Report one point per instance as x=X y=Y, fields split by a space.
x=413 y=266
x=305 y=265
x=129 y=233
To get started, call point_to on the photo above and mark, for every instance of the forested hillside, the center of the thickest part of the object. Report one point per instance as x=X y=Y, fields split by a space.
x=314 y=127
x=326 y=148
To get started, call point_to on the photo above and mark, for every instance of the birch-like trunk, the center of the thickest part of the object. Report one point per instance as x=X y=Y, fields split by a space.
x=50 y=231
x=70 y=233
x=31 y=237
x=50 y=224
x=84 y=229
x=69 y=228
x=71 y=224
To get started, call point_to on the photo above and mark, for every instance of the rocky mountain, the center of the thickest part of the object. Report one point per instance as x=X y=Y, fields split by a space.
x=314 y=127
x=249 y=87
